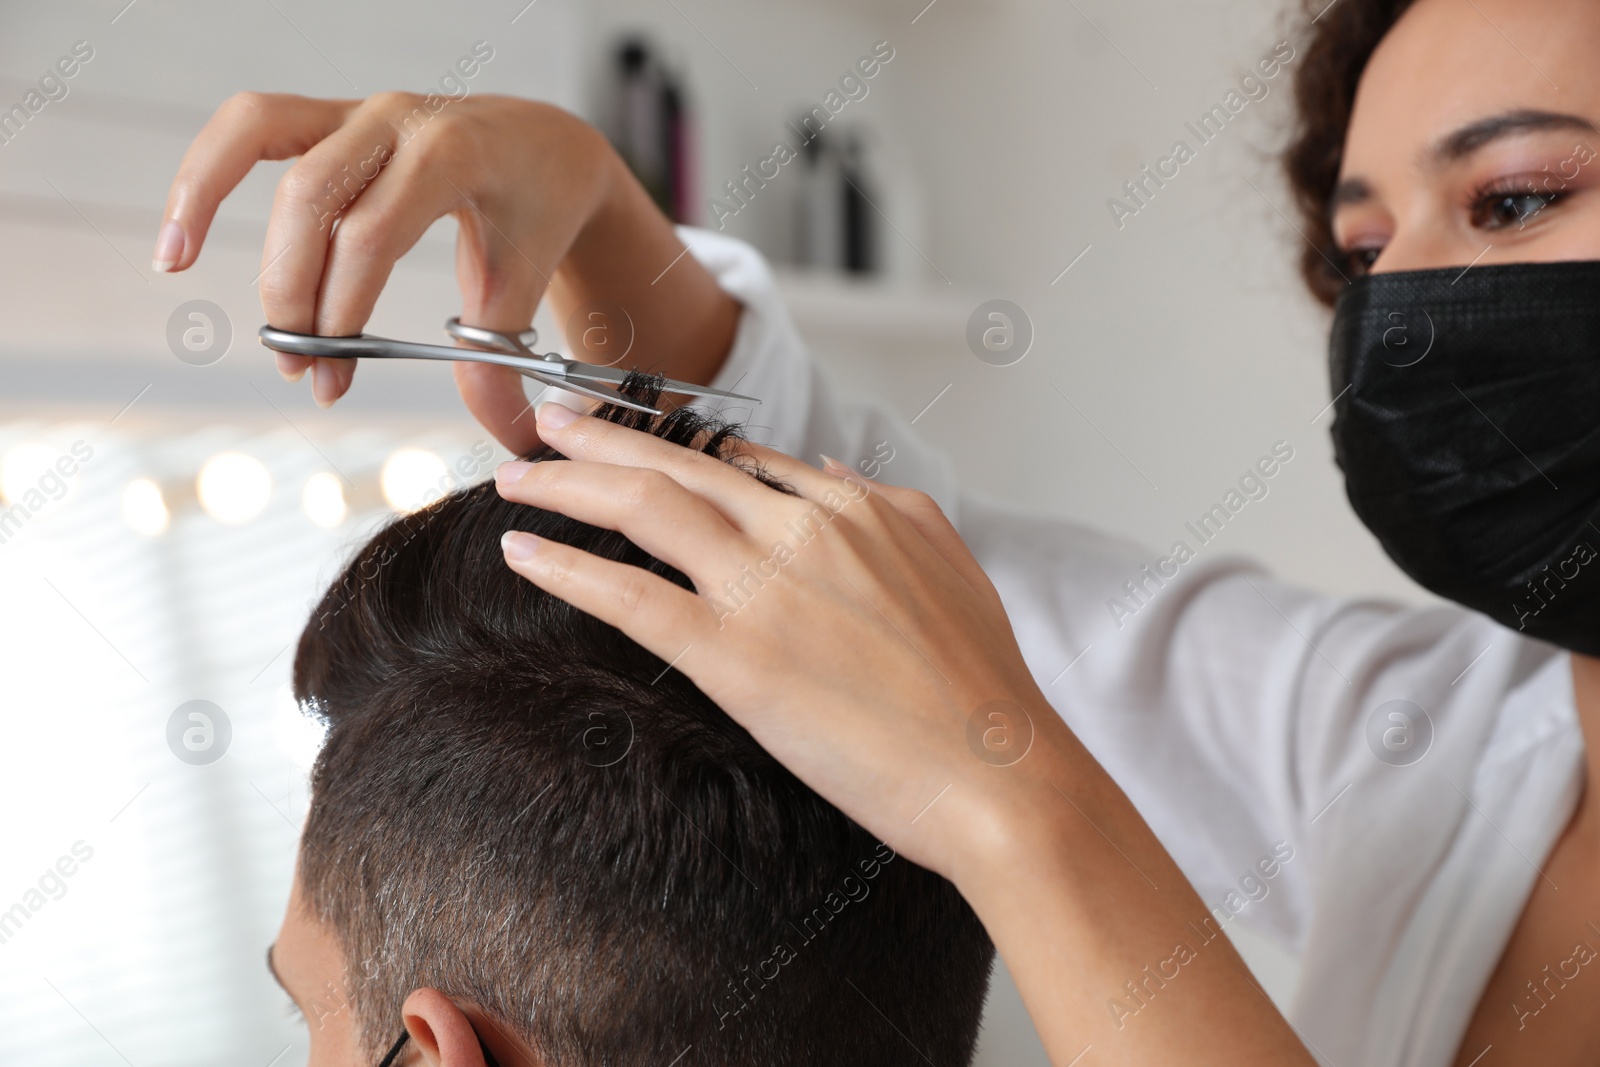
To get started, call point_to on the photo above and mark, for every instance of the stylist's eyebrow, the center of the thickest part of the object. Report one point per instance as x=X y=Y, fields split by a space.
x=1457 y=145
x=1349 y=191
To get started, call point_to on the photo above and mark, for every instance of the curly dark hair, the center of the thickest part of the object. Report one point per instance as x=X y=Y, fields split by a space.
x=1343 y=38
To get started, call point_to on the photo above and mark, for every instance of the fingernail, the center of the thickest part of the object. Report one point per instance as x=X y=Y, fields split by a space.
x=322 y=384
x=554 y=416
x=169 y=246
x=511 y=471
x=290 y=367
x=518 y=546
x=829 y=463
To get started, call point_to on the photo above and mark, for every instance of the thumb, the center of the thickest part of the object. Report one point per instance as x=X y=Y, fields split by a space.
x=500 y=296
x=494 y=396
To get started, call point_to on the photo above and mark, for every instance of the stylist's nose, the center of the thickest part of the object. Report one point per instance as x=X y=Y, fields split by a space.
x=1423 y=243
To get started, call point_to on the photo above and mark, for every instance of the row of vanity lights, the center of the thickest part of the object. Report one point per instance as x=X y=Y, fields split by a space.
x=235 y=488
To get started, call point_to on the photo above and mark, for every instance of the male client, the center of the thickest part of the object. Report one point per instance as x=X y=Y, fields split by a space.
x=532 y=842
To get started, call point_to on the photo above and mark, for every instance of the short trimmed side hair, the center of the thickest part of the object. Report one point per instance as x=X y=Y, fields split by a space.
x=521 y=807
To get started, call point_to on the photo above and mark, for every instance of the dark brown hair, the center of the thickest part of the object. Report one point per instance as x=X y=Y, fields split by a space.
x=1342 y=41
x=518 y=805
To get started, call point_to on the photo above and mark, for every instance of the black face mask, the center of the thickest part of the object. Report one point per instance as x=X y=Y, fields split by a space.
x=1467 y=424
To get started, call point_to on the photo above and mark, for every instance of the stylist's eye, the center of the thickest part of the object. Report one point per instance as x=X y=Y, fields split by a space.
x=1497 y=209
x=1360 y=260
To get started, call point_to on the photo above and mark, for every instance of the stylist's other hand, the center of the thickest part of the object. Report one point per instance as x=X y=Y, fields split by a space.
x=542 y=201
x=848 y=629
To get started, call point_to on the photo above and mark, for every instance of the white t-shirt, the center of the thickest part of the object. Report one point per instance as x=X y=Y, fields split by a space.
x=1246 y=718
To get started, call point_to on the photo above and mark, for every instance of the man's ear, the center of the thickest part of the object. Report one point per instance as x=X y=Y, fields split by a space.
x=440 y=1030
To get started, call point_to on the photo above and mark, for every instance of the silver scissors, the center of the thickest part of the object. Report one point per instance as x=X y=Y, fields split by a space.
x=501 y=349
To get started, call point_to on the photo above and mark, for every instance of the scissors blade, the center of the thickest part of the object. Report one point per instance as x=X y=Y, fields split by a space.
x=606 y=396
x=688 y=389
x=614 y=377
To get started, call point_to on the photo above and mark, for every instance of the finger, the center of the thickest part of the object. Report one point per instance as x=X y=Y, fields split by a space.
x=915 y=511
x=727 y=488
x=494 y=396
x=403 y=198
x=918 y=509
x=803 y=478
x=310 y=198
x=907 y=513
x=308 y=212
x=924 y=515
x=646 y=506
x=661 y=616
x=394 y=208
x=291 y=366
x=247 y=128
x=500 y=289
x=330 y=379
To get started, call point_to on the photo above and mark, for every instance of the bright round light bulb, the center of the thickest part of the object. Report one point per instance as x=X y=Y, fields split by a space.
x=144 y=509
x=323 y=500
x=233 y=487
x=412 y=478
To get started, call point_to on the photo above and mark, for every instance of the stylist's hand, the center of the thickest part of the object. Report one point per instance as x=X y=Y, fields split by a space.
x=855 y=637
x=811 y=609
x=542 y=202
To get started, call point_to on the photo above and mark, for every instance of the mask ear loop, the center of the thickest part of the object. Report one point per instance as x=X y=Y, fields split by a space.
x=405 y=1035
x=394 y=1050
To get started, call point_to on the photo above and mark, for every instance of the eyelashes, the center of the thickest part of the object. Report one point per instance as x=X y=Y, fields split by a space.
x=1511 y=201
x=1360 y=260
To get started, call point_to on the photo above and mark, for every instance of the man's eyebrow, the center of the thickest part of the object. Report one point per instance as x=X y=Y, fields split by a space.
x=1458 y=144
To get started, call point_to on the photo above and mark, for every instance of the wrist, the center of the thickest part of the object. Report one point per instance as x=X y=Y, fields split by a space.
x=628 y=256
x=1029 y=819
x=615 y=223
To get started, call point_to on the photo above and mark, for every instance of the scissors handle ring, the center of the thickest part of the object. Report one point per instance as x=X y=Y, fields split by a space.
x=520 y=343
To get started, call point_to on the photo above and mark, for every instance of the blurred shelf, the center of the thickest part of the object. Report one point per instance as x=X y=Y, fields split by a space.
x=872 y=310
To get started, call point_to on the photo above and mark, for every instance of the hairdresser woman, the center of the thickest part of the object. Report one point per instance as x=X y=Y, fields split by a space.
x=1417 y=782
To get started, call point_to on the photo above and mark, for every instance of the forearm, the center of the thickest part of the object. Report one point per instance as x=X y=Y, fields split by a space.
x=629 y=256
x=1107 y=941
